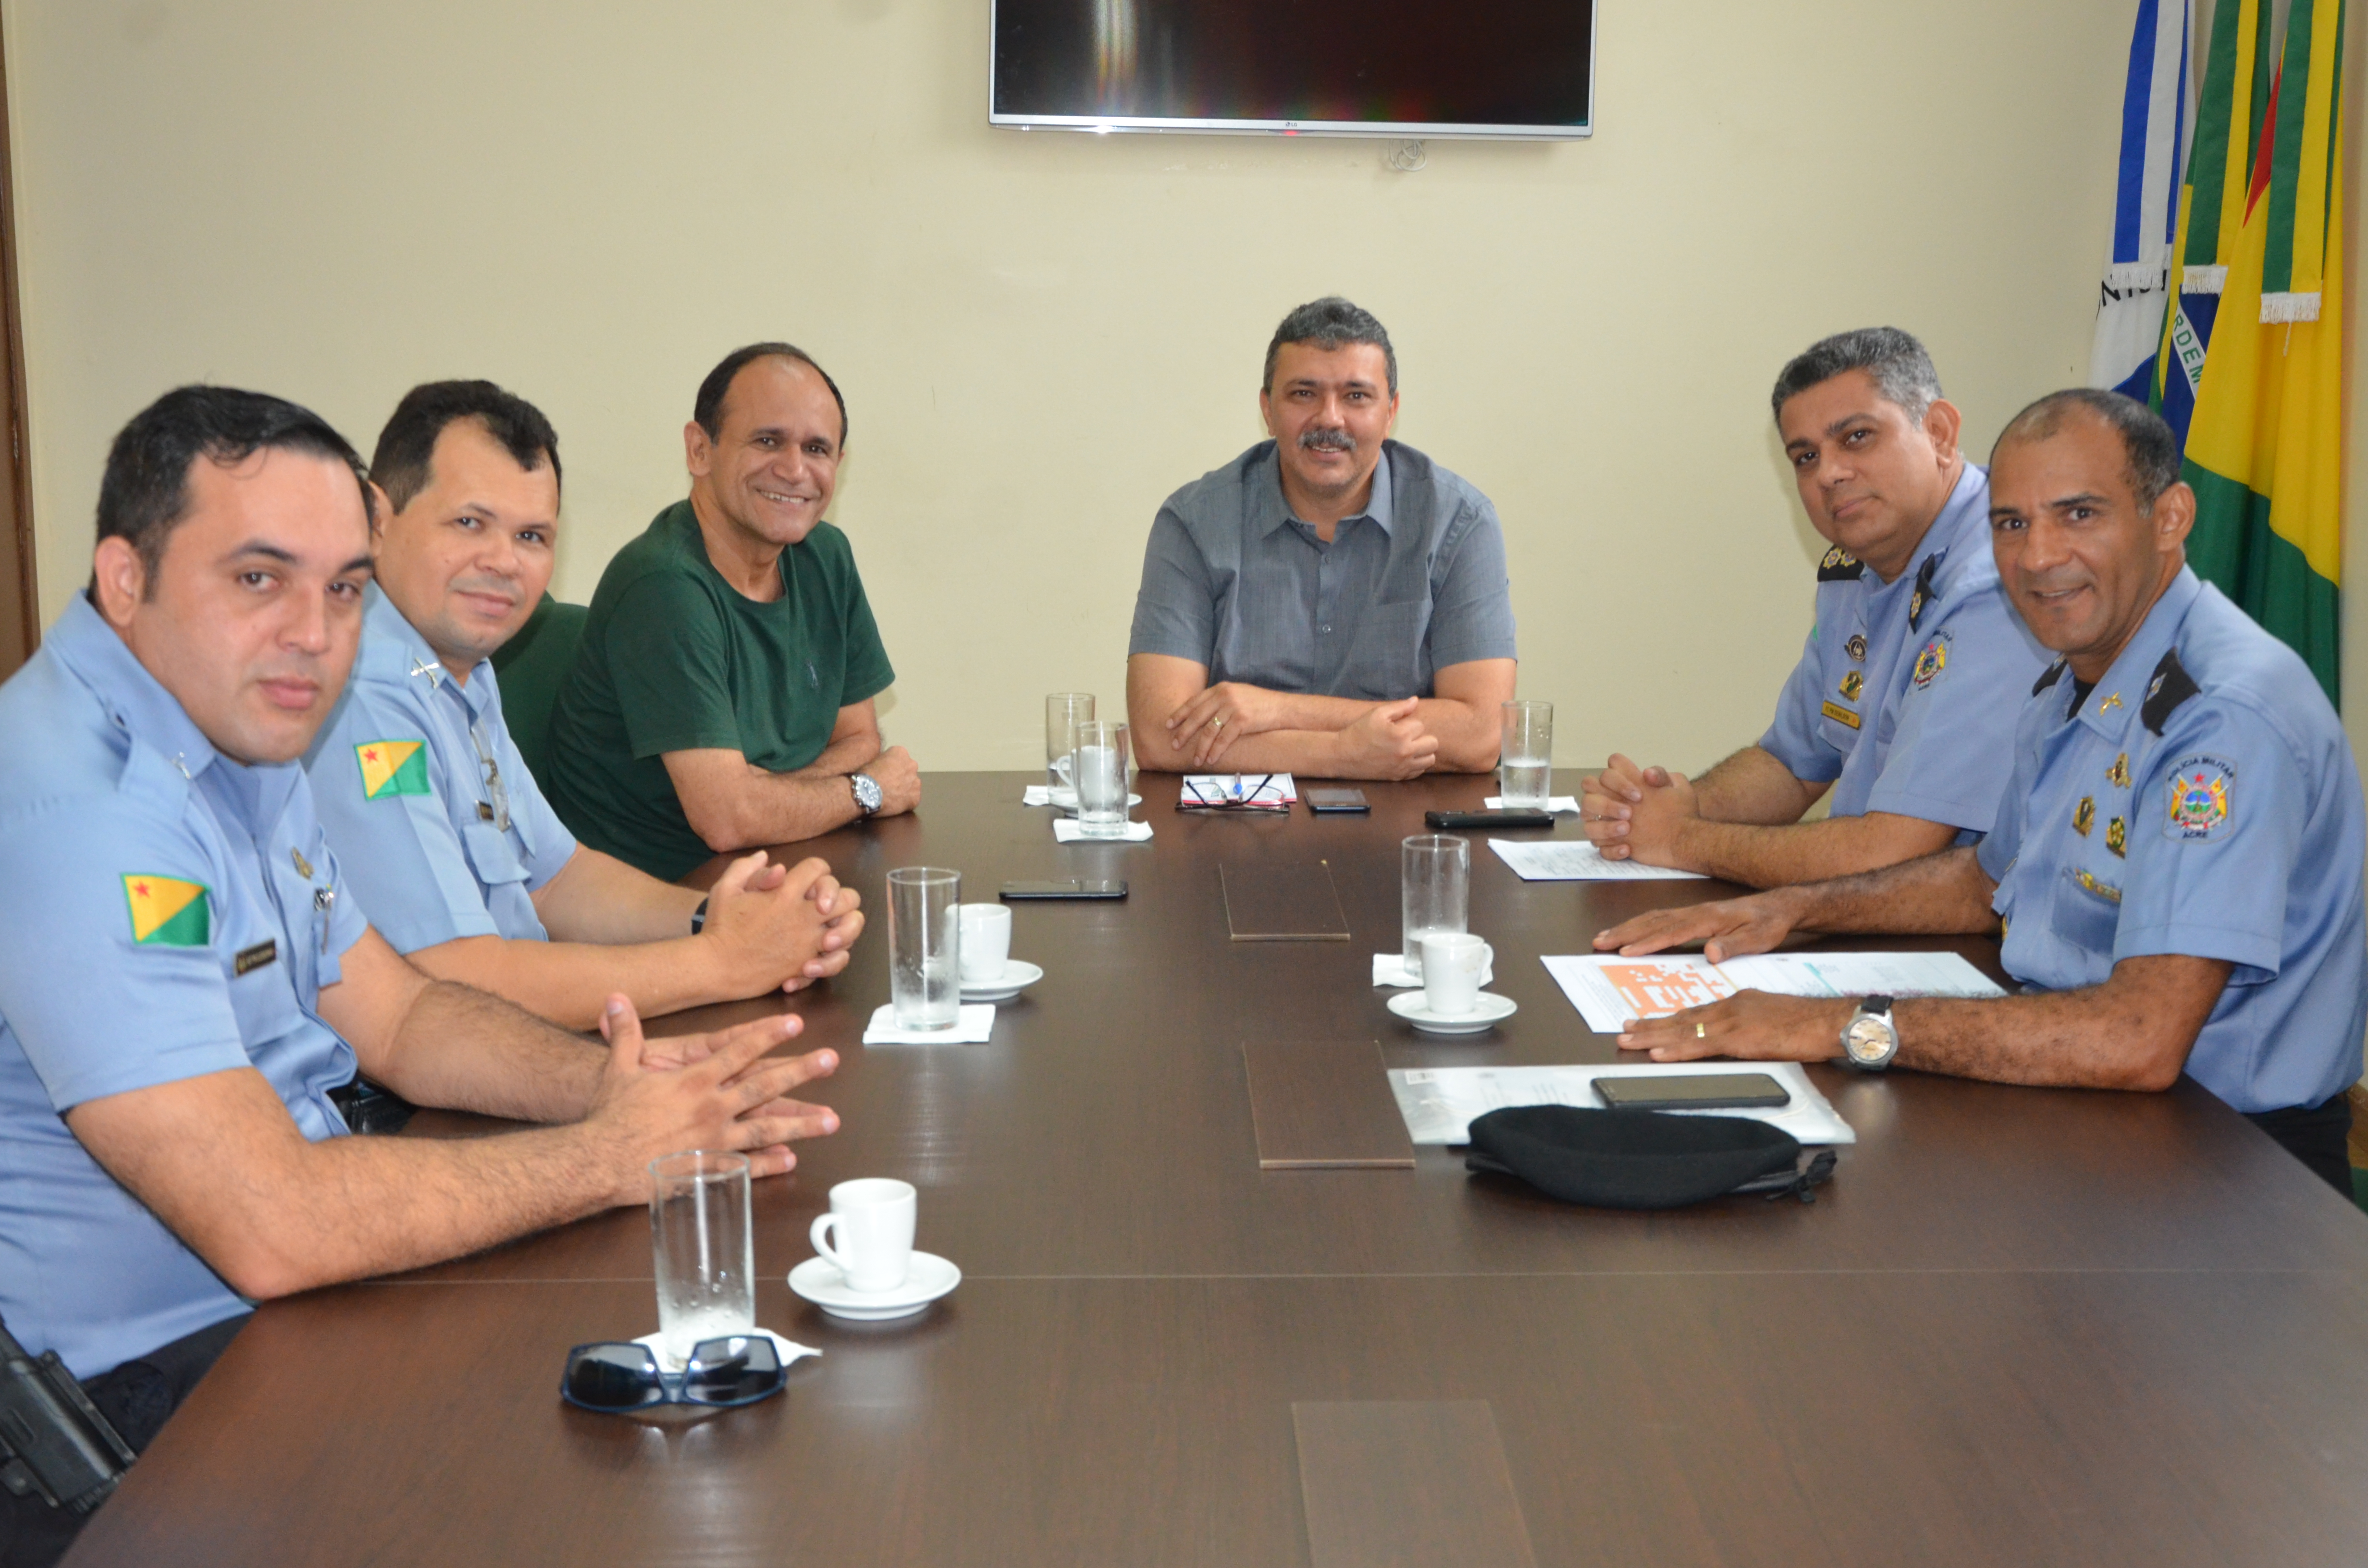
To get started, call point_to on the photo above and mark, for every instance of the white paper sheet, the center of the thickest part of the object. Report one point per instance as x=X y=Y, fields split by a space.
x=1609 y=990
x=1439 y=1103
x=1577 y=860
x=1554 y=803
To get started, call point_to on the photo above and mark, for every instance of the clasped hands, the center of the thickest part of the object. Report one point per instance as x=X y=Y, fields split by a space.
x=1632 y=812
x=764 y=912
x=1387 y=741
x=1753 y=1025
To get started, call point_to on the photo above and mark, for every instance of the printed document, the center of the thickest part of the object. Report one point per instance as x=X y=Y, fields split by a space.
x=1609 y=990
x=1577 y=860
x=1439 y=1103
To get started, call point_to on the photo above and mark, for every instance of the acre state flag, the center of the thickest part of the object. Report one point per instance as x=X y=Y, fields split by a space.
x=393 y=768
x=167 y=912
x=2265 y=449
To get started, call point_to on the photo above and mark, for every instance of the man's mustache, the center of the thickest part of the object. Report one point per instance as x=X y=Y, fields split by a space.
x=1327 y=440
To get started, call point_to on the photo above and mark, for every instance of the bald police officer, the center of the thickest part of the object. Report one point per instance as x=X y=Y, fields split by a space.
x=464 y=866
x=2176 y=869
x=187 y=987
x=1900 y=712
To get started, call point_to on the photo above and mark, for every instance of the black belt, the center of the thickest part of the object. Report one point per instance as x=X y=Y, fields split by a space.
x=368 y=1108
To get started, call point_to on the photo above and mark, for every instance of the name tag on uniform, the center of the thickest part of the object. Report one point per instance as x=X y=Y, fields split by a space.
x=252 y=958
x=1842 y=715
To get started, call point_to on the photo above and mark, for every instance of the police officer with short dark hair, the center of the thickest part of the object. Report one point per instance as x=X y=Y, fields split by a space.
x=2176 y=872
x=187 y=991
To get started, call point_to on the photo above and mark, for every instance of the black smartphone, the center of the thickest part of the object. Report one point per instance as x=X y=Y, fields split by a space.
x=1071 y=889
x=1692 y=1091
x=1325 y=802
x=1490 y=819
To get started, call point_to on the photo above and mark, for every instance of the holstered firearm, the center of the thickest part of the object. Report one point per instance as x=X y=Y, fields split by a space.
x=53 y=1441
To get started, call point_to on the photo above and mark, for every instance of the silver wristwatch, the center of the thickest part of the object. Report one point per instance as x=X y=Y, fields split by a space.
x=866 y=792
x=1870 y=1040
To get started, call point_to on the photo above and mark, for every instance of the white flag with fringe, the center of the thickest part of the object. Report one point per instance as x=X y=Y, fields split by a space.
x=2145 y=202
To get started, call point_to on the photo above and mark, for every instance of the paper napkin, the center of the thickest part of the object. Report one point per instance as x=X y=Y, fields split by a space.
x=1066 y=831
x=1554 y=803
x=976 y=1021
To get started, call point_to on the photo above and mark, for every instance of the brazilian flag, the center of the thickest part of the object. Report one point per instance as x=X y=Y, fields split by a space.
x=393 y=768
x=167 y=912
x=2265 y=443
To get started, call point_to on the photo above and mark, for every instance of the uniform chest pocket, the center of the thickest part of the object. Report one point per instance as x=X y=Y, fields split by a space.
x=264 y=998
x=493 y=854
x=2088 y=911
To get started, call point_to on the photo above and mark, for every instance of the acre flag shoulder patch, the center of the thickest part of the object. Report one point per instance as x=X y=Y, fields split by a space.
x=393 y=768
x=167 y=912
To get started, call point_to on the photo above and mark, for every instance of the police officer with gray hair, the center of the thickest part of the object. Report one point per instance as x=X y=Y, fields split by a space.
x=2176 y=872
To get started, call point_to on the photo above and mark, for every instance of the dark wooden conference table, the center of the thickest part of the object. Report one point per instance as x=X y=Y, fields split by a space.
x=2020 y=1327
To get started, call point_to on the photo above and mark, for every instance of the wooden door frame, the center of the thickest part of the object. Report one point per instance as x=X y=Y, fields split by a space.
x=20 y=615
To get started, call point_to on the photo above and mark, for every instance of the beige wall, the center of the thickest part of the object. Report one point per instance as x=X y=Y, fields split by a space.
x=1042 y=335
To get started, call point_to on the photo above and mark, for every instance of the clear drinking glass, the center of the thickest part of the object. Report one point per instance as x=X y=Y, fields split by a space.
x=1064 y=712
x=925 y=946
x=704 y=1248
x=1434 y=890
x=1103 y=767
x=1525 y=765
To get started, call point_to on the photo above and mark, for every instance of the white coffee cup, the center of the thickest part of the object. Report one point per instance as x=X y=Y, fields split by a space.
x=873 y=1218
x=1452 y=963
x=985 y=941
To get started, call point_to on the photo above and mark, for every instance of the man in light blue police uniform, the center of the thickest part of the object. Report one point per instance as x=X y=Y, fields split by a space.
x=187 y=987
x=1901 y=710
x=443 y=831
x=2176 y=872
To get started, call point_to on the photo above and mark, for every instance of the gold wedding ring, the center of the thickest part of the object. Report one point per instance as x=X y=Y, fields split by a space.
x=1216 y=723
x=1700 y=1032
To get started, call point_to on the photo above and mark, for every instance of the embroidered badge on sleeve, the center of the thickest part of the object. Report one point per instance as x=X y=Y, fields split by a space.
x=393 y=768
x=1932 y=661
x=2200 y=797
x=167 y=912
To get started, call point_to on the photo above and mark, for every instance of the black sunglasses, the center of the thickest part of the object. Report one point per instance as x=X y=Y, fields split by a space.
x=619 y=1375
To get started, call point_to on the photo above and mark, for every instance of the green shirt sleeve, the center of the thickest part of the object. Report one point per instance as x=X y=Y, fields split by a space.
x=670 y=659
x=868 y=671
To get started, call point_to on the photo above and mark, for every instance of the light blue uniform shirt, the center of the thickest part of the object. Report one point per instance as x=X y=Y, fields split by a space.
x=1907 y=692
x=439 y=854
x=109 y=796
x=2202 y=801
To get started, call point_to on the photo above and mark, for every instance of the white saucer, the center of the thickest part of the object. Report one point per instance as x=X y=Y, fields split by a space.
x=1018 y=975
x=819 y=1282
x=1489 y=1010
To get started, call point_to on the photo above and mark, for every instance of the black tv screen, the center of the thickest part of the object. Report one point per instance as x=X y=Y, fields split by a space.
x=1514 y=68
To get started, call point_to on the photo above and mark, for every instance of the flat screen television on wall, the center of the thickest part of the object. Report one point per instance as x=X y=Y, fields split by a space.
x=1415 y=68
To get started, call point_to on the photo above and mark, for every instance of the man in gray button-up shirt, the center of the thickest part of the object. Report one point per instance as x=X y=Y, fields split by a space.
x=1330 y=602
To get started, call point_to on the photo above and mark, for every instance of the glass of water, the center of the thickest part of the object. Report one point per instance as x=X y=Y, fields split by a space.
x=1103 y=767
x=1434 y=890
x=1064 y=712
x=1525 y=765
x=704 y=1248
x=925 y=946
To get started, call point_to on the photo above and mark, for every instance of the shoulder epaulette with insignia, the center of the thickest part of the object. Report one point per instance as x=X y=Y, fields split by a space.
x=2170 y=687
x=1839 y=566
x=2048 y=677
x=1923 y=593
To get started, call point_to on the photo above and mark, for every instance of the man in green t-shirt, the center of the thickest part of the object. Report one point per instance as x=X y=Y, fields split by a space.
x=721 y=696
